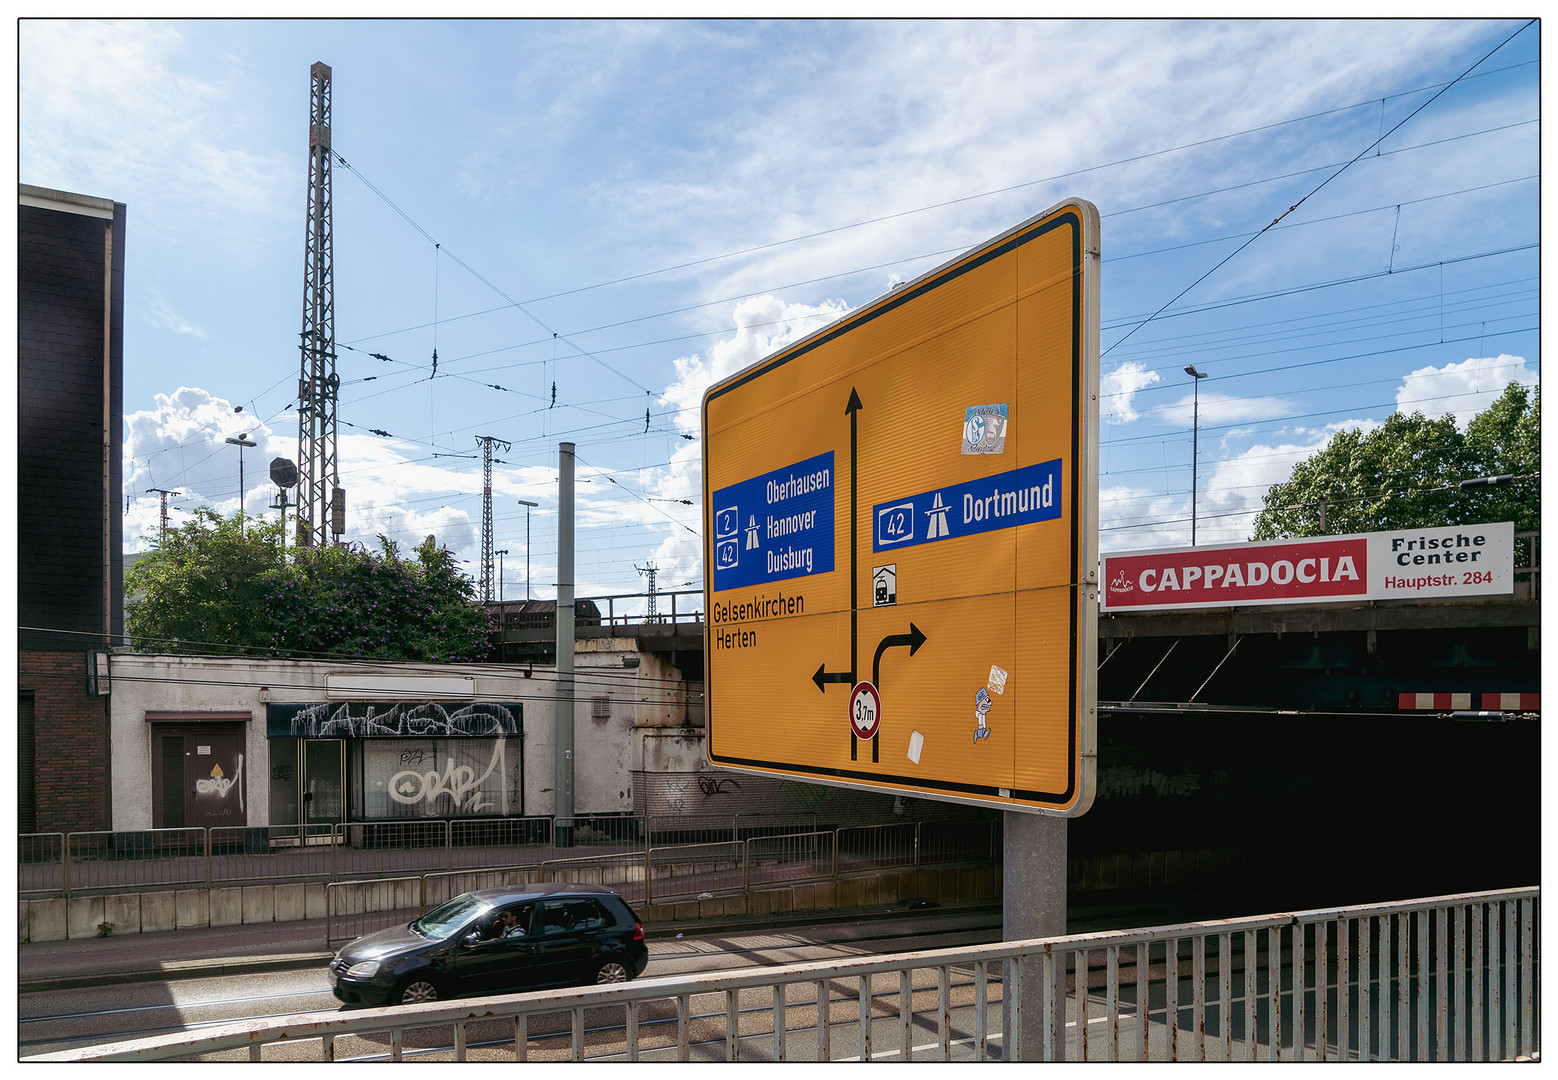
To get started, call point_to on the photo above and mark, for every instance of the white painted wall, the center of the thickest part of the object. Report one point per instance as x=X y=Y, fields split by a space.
x=642 y=701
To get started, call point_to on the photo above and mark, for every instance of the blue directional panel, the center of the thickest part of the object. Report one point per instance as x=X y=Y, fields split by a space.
x=775 y=526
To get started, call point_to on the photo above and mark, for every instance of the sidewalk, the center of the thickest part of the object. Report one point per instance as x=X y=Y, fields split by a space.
x=232 y=950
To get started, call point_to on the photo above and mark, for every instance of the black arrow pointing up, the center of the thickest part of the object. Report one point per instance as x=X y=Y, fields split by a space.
x=852 y=410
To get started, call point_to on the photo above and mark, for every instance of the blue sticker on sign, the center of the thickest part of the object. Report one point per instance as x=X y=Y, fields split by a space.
x=775 y=526
x=1003 y=501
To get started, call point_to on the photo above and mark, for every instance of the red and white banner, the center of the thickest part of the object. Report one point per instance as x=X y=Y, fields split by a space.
x=1410 y=564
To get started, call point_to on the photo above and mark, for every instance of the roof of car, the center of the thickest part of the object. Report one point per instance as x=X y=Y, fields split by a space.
x=508 y=894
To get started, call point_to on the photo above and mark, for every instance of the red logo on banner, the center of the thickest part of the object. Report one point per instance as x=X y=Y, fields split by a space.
x=1211 y=577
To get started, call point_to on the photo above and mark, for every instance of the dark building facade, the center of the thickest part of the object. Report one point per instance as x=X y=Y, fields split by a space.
x=70 y=407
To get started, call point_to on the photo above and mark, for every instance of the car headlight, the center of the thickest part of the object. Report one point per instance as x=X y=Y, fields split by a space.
x=365 y=970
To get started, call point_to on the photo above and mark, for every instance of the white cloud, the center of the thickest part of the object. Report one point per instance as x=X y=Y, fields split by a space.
x=180 y=445
x=113 y=109
x=159 y=314
x=1461 y=389
x=1117 y=391
x=763 y=325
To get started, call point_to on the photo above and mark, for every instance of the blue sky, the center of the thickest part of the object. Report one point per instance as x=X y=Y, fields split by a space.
x=674 y=200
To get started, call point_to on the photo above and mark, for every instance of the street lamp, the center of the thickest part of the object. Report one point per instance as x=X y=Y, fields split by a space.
x=527 y=505
x=240 y=442
x=500 y=553
x=1195 y=447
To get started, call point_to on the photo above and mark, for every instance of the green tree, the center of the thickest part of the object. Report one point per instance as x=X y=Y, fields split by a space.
x=1407 y=474
x=204 y=587
x=348 y=601
x=207 y=589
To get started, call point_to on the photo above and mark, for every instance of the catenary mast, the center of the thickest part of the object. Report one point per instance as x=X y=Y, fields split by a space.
x=320 y=499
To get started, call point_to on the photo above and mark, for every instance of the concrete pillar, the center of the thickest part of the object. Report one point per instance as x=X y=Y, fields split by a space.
x=1033 y=905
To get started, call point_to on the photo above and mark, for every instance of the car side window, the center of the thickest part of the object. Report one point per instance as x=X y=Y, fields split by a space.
x=587 y=915
x=555 y=917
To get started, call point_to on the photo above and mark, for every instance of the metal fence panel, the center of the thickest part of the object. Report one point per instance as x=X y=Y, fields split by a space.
x=146 y=858
x=870 y=849
x=40 y=862
x=623 y=871
x=609 y=830
x=690 y=870
x=447 y=884
x=271 y=854
x=355 y=908
x=664 y=830
x=789 y=860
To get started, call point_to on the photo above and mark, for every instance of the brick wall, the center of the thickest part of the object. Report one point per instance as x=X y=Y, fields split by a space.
x=70 y=757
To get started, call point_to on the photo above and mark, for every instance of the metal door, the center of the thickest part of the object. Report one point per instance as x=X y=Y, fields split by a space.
x=324 y=782
x=214 y=783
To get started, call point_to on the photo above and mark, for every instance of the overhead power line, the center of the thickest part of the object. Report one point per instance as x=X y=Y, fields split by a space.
x=1233 y=254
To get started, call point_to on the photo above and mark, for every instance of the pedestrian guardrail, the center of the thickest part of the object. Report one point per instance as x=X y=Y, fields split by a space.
x=660 y=875
x=66 y=864
x=1451 y=978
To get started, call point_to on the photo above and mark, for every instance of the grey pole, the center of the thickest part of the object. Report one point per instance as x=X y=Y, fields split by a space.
x=562 y=804
x=240 y=442
x=527 y=505
x=1033 y=905
x=1195 y=444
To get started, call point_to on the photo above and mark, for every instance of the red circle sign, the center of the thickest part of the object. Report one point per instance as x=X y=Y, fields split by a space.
x=865 y=710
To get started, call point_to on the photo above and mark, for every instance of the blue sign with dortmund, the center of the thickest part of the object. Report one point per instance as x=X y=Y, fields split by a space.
x=1003 y=501
x=775 y=526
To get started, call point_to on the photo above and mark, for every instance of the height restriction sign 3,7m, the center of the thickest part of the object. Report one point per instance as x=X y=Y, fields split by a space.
x=901 y=536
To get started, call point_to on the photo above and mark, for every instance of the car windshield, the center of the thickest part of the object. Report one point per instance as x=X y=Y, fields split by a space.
x=449 y=918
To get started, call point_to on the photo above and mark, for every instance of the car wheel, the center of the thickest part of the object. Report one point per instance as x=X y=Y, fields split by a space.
x=417 y=991
x=612 y=971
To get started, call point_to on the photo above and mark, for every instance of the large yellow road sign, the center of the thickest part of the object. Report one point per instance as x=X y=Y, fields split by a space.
x=902 y=539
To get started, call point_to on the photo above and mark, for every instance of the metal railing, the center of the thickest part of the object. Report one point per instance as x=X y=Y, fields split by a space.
x=1528 y=562
x=793 y=859
x=657 y=876
x=67 y=864
x=682 y=871
x=714 y=828
x=1452 y=978
x=689 y=611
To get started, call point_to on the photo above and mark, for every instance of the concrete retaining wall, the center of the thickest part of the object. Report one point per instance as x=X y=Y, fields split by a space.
x=183 y=909
x=151 y=912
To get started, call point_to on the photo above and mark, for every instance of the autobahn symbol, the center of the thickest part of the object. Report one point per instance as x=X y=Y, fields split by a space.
x=865 y=710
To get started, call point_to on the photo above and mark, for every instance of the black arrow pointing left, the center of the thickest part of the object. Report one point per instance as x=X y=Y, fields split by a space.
x=824 y=676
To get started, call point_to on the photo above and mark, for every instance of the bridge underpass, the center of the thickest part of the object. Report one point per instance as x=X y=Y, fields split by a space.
x=1254 y=759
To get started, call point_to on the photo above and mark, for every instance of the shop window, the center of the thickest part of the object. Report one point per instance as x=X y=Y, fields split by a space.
x=405 y=779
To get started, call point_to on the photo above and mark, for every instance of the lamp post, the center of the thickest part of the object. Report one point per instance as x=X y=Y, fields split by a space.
x=527 y=505
x=1195 y=447
x=500 y=553
x=240 y=442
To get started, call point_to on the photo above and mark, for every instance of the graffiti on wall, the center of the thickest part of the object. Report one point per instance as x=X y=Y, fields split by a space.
x=357 y=720
x=217 y=784
x=460 y=782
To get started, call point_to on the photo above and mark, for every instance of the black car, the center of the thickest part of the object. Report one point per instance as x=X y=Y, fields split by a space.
x=496 y=940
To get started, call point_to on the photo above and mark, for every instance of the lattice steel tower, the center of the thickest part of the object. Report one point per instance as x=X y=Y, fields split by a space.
x=486 y=512
x=649 y=572
x=318 y=471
